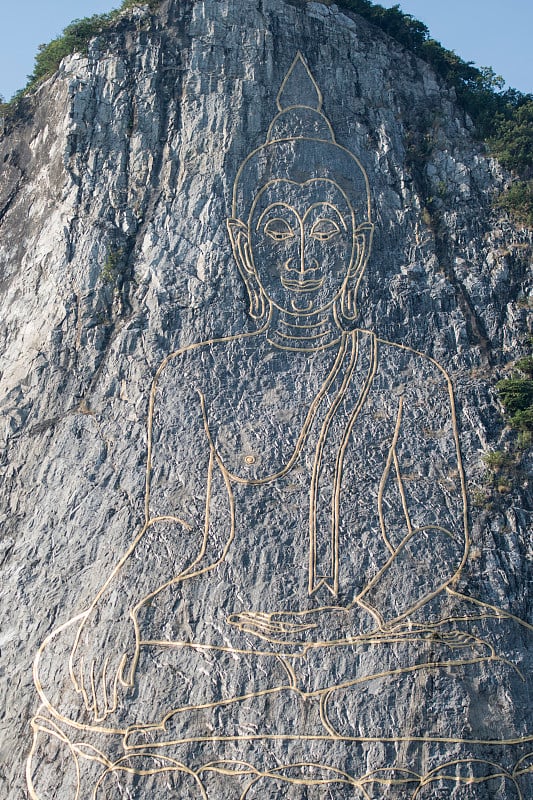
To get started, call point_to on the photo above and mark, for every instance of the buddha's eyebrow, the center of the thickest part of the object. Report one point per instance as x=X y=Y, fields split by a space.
x=276 y=205
x=333 y=208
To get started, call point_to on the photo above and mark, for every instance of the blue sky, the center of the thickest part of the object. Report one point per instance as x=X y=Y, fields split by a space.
x=491 y=33
x=488 y=32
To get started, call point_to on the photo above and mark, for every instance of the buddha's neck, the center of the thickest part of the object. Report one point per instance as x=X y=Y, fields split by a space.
x=308 y=333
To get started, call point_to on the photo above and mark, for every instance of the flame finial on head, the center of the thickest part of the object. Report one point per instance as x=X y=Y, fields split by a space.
x=299 y=102
x=299 y=88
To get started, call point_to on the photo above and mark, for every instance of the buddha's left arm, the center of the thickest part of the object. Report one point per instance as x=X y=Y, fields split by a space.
x=422 y=502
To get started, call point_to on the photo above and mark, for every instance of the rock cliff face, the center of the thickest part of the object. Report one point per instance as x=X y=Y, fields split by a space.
x=116 y=185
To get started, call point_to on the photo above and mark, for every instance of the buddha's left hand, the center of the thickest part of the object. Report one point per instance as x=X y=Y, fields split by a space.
x=322 y=625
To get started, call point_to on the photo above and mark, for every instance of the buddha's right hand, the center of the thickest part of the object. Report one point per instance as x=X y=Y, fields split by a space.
x=104 y=656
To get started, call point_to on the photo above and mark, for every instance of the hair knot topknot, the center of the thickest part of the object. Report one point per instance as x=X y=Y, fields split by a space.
x=299 y=102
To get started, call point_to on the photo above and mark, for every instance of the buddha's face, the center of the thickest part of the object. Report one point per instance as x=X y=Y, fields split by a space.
x=301 y=243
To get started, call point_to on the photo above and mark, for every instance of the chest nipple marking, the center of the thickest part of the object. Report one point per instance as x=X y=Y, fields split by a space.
x=249 y=459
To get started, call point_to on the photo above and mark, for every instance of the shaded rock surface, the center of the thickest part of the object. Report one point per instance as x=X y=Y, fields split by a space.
x=115 y=186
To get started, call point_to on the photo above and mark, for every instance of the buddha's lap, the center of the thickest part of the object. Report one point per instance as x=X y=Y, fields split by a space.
x=240 y=708
x=364 y=687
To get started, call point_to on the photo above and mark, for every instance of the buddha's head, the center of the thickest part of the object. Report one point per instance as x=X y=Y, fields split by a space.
x=301 y=230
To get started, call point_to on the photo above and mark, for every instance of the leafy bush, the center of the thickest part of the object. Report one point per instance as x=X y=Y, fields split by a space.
x=513 y=142
x=525 y=365
x=518 y=202
x=111 y=268
x=132 y=3
x=516 y=396
x=496 y=460
x=74 y=39
x=523 y=420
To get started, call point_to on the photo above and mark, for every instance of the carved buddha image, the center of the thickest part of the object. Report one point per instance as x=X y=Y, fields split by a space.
x=305 y=524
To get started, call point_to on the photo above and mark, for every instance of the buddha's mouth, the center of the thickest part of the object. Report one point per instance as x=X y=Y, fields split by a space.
x=301 y=285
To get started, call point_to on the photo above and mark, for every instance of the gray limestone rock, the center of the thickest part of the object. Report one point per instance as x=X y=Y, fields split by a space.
x=245 y=393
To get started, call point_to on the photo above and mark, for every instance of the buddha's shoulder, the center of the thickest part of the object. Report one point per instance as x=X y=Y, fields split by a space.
x=202 y=365
x=398 y=365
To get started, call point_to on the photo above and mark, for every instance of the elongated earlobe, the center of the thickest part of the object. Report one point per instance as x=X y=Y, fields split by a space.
x=363 y=241
x=238 y=234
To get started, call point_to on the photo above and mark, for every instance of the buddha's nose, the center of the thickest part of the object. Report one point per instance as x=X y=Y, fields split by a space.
x=307 y=262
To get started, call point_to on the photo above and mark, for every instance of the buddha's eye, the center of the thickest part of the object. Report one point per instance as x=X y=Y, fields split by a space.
x=278 y=229
x=324 y=229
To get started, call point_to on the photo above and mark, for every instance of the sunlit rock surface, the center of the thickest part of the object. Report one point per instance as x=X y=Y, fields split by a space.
x=116 y=185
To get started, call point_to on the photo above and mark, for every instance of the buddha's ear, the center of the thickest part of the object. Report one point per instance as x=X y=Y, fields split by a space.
x=363 y=239
x=363 y=245
x=238 y=234
x=240 y=243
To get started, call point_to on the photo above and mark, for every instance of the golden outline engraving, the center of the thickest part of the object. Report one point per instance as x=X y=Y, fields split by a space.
x=299 y=59
x=172 y=766
x=290 y=638
x=303 y=433
x=317 y=579
x=298 y=285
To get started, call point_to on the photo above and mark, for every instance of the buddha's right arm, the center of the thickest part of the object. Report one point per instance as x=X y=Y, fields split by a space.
x=106 y=649
x=180 y=464
x=157 y=557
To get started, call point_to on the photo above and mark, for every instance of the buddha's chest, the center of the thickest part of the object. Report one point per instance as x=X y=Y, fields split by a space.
x=285 y=409
x=260 y=434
